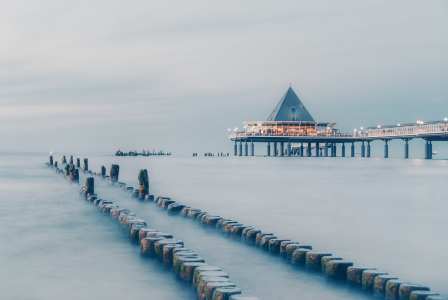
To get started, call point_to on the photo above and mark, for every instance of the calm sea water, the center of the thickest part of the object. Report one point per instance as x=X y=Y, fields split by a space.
x=383 y=213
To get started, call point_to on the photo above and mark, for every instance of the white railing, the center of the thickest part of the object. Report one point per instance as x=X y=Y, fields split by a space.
x=250 y=134
x=410 y=130
x=405 y=130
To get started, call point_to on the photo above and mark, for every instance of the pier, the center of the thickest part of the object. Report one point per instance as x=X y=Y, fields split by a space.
x=290 y=130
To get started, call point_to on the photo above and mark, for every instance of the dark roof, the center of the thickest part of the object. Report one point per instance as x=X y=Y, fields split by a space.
x=290 y=108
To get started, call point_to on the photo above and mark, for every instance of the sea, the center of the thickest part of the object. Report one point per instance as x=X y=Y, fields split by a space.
x=389 y=214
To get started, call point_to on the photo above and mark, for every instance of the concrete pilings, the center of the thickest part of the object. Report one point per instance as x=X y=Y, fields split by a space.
x=343 y=150
x=268 y=153
x=354 y=276
x=252 y=148
x=352 y=150
x=275 y=149
x=240 y=153
x=379 y=286
x=368 y=148
x=404 y=293
x=314 y=260
x=368 y=279
x=363 y=149
x=386 y=149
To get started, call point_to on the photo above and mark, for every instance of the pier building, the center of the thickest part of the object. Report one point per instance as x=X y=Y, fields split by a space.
x=291 y=124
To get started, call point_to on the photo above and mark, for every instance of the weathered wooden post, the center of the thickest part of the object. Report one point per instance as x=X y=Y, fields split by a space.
x=103 y=171
x=64 y=161
x=78 y=163
x=90 y=186
x=71 y=159
x=55 y=164
x=144 y=184
x=114 y=170
x=70 y=171
x=75 y=175
x=67 y=170
x=51 y=160
x=86 y=165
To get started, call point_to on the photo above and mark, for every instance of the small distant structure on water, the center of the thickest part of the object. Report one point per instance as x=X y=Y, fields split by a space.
x=143 y=153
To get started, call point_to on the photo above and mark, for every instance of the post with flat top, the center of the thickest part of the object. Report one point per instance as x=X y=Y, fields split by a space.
x=386 y=149
x=234 y=149
x=406 y=148
x=251 y=147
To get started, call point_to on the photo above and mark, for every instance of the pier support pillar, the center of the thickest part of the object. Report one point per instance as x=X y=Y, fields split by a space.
x=406 y=149
x=317 y=149
x=269 y=149
x=289 y=148
x=282 y=150
x=368 y=148
x=241 y=149
x=352 y=152
x=301 y=149
x=426 y=150
x=309 y=150
x=430 y=150
x=386 y=150
x=246 y=150
x=326 y=149
x=363 y=149
x=334 y=151
x=343 y=150
x=234 y=149
x=252 y=148
x=275 y=149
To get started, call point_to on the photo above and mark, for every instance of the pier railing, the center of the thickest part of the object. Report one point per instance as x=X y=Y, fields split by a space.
x=411 y=130
x=251 y=134
x=407 y=130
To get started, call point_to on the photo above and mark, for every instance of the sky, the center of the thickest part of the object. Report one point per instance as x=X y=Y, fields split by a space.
x=175 y=75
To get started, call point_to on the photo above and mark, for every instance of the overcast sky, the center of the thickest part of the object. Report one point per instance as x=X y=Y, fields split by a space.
x=175 y=75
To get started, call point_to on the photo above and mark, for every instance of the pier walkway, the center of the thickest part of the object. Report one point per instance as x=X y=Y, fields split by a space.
x=428 y=131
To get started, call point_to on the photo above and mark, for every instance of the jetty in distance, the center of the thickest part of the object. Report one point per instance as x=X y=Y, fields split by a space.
x=143 y=153
x=290 y=123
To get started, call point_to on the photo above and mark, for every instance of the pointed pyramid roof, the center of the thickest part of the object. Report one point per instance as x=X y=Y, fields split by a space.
x=290 y=108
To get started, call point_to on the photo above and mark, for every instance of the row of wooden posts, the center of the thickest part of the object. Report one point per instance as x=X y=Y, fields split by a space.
x=210 y=282
x=368 y=279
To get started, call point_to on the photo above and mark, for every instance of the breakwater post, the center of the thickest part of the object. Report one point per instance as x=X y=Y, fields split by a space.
x=103 y=171
x=114 y=170
x=86 y=165
x=51 y=160
x=64 y=161
x=71 y=159
x=144 y=184
x=78 y=163
x=90 y=189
